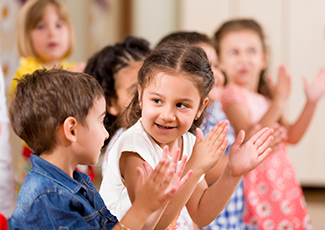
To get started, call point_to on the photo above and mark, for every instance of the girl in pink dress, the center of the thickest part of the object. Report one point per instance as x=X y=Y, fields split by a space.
x=273 y=196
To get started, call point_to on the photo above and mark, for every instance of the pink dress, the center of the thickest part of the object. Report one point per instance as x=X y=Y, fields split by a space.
x=273 y=196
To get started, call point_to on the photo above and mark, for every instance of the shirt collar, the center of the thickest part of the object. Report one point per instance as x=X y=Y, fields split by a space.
x=49 y=170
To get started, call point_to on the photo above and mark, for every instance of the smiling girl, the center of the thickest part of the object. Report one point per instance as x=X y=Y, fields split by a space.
x=173 y=86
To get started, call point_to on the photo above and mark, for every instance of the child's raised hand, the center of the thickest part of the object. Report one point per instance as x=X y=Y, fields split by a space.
x=207 y=152
x=282 y=89
x=280 y=134
x=161 y=184
x=243 y=157
x=316 y=89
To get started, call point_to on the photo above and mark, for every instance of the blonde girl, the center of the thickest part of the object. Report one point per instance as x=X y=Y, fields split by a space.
x=274 y=199
x=173 y=85
x=45 y=39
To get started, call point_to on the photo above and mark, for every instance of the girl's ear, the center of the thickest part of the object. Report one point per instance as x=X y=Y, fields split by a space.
x=112 y=109
x=139 y=92
x=69 y=129
x=204 y=104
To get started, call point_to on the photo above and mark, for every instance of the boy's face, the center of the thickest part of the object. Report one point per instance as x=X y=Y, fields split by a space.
x=91 y=137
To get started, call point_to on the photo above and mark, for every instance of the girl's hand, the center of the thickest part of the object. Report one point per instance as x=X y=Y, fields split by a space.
x=160 y=185
x=207 y=152
x=282 y=89
x=245 y=157
x=80 y=67
x=316 y=89
x=280 y=134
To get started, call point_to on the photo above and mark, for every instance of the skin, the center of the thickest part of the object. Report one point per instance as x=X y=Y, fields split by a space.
x=125 y=84
x=242 y=59
x=168 y=112
x=50 y=38
x=216 y=91
x=80 y=144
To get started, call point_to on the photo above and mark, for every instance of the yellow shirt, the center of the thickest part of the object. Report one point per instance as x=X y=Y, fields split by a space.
x=29 y=65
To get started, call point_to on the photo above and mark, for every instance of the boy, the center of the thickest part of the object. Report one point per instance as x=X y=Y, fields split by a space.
x=59 y=114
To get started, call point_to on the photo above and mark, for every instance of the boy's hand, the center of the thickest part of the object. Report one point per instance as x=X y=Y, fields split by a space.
x=161 y=184
x=207 y=152
x=316 y=89
x=245 y=157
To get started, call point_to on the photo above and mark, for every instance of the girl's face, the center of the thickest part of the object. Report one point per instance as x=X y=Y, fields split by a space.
x=50 y=37
x=125 y=85
x=216 y=91
x=169 y=106
x=242 y=58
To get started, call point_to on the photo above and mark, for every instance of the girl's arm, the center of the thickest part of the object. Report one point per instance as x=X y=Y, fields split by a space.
x=206 y=203
x=238 y=114
x=205 y=155
x=152 y=196
x=314 y=92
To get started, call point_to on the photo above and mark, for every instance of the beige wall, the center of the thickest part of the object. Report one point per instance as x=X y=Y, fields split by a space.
x=294 y=29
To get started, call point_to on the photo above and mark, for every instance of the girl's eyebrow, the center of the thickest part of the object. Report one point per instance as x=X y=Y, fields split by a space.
x=182 y=99
x=102 y=115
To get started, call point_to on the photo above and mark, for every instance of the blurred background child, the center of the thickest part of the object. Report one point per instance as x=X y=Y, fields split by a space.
x=116 y=67
x=45 y=39
x=273 y=196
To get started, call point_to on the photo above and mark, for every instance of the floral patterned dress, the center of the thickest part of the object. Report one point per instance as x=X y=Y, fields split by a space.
x=273 y=196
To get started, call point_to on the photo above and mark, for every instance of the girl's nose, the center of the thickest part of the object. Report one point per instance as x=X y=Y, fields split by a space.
x=168 y=114
x=106 y=134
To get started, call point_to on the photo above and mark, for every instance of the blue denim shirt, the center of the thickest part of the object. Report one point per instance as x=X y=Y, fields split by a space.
x=50 y=199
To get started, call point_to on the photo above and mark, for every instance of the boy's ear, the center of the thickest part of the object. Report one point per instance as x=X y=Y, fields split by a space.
x=69 y=129
x=204 y=104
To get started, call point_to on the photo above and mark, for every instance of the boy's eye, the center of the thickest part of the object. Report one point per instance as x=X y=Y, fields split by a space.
x=181 y=105
x=157 y=101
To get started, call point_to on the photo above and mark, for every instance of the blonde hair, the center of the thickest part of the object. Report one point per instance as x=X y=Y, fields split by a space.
x=30 y=14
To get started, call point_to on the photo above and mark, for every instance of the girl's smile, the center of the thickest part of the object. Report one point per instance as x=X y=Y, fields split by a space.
x=170 y=104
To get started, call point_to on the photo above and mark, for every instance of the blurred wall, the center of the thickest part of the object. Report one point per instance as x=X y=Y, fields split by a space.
x=294 y=31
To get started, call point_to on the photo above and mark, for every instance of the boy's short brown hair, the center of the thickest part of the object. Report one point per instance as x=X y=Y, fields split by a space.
x=44 y=99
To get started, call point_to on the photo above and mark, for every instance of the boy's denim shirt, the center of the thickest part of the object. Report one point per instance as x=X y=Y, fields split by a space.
x=50 y=199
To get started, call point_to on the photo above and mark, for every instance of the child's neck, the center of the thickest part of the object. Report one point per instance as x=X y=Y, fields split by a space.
x=62 y=160
x=51 y=63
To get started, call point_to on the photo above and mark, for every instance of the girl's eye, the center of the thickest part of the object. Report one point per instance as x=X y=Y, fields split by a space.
x=233 y=52
x=251 y=51
x=40 y=26
x=157 y=101
x=181 y=105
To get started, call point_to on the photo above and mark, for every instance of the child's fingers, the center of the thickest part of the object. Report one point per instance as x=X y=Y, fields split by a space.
x=199 y=136
x=261 y=139
x=148 y=168
x=262 y=156
x=239 y=139
x=258 y=134
x=181 y=166
x=141 y=176
x=265 y=145
x=219 y=140
x=216 y=129
x=173 y=163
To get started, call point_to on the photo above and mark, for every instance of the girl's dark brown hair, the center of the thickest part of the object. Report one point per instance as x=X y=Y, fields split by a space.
x=174 y=58
x=245 y=24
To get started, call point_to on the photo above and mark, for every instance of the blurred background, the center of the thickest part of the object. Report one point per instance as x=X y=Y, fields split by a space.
x=295 y=33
